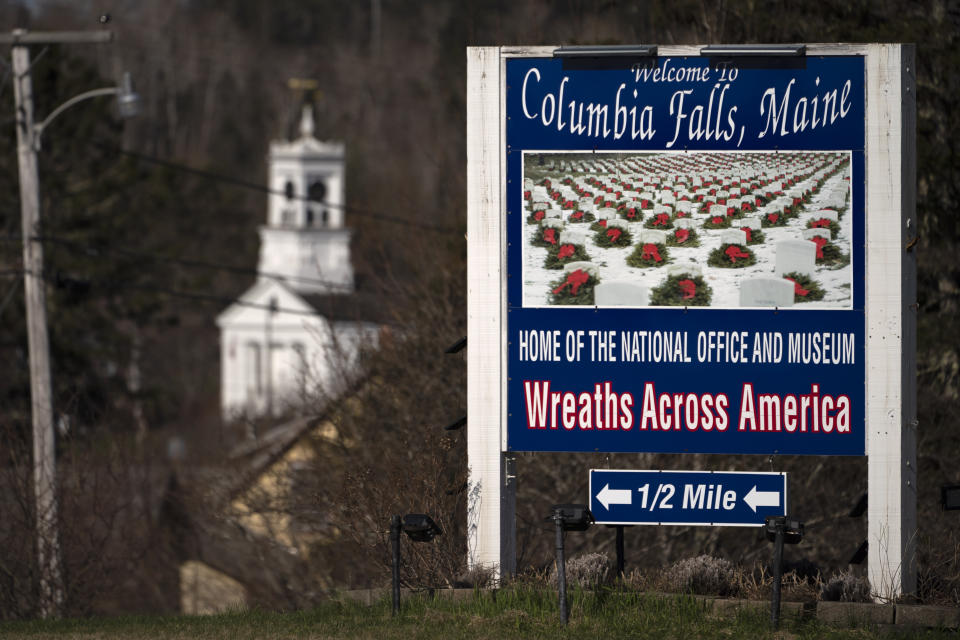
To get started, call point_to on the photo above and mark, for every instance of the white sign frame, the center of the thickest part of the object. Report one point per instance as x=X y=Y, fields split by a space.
x=891 y=309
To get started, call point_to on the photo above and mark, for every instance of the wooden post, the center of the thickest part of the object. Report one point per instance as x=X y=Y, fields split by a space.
x=41 y=397
x=44 y=458
x=891 y=320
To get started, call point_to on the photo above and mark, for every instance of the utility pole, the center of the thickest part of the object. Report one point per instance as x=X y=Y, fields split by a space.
x=44 y=455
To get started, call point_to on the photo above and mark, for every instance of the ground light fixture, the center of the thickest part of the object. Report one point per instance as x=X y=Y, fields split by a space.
x=780 y=530
x=419 y=527
x=754 y=50
x=610 y=51
x=567 y=517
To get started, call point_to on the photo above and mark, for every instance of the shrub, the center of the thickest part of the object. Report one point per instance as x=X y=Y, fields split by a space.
x=579 y=216
x=731 y=256
x=692 y=239
x=755 y=236
x=648 y=254
x=570 y=252
x=703 y=575
x=846 y=587
x=805 y=288
x=659 y=221
x=586 y=571
x=605 y=239
x=565 y=291
x=540 y=238
x=833 y=257
x=773 y=220
x=717 y=222
x=675 y=292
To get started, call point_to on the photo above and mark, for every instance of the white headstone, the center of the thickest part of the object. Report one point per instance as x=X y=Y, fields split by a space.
x=766 y=292
x=810 y=234
x=573 y=236
x=659 y=208
x=825 y=213
x=733 y=236
x=718 y=210
x=606 y=213
x=685 y=206
x=589 y=267
x=553 y=213
x=798 y=256
x=616 y=222
x=690 y=269
x=621 y=293
x=750 y=223
x=553 y=223
x=684 y=223
x=540 y=205
x=654 y=236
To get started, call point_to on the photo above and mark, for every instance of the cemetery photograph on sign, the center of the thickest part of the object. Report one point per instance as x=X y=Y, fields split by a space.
x=688 y=229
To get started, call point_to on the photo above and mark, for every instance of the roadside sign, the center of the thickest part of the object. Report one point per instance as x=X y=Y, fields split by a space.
x=694 y=252
x=713 y=498
x=655 y=304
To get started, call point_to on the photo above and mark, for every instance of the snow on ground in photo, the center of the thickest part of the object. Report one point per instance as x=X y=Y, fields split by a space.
x=725 y=282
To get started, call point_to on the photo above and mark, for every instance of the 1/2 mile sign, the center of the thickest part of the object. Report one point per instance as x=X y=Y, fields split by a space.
x=686 y=497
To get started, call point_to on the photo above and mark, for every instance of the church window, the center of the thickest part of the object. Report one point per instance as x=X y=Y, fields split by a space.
x=318 y=191
x=288 y=190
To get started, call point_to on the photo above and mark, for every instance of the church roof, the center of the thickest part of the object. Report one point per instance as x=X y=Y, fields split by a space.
x=306 y=146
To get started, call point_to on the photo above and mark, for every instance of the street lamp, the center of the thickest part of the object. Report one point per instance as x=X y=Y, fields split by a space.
x=128 y=104
x=28 y=143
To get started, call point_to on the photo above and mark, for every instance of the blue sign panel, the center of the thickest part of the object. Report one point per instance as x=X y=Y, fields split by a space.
x=685 y=256
x=686 y=497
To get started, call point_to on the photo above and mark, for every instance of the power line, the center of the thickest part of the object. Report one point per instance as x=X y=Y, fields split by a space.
x=59 y=280
x=95 y=251
x=219 y=177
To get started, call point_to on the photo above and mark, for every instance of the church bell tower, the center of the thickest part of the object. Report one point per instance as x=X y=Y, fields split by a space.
x=304 y=239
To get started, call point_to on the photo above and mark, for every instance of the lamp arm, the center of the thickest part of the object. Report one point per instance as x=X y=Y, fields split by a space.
x=86 y=95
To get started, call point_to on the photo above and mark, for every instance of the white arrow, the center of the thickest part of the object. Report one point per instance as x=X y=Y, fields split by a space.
x=756 y=498
x=608 y=496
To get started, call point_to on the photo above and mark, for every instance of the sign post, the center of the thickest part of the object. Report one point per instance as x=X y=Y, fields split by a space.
x=679 y=250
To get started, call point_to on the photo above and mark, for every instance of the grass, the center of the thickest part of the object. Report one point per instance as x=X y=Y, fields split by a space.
x=511 y=613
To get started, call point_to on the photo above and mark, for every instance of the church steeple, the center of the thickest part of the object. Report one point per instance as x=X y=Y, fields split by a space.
x=304 y=236
x=306 y=122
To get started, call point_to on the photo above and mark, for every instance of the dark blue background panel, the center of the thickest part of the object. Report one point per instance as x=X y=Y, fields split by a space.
x=686 y=497
x=699 y=400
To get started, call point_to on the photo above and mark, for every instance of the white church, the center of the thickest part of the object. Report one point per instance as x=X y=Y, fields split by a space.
x=298 y=329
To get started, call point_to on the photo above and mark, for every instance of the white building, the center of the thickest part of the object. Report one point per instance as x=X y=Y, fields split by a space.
x=299 y=327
